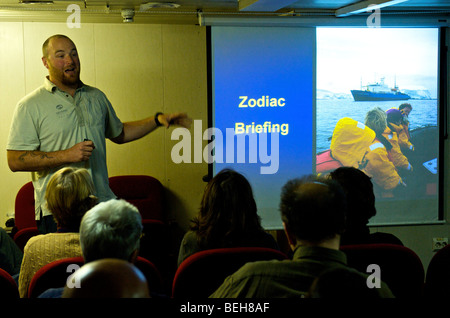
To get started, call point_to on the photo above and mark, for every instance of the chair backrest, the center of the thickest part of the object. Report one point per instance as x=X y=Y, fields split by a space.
x=8 y=286
x=22 y=236
x=145 y=192
x=152 y=274
x=53 y=275
x=437 y=281
x=24 y=211
x=400 y=267
x=202 y=273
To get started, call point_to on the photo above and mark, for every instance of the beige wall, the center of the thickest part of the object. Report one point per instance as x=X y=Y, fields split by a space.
x=142 y=69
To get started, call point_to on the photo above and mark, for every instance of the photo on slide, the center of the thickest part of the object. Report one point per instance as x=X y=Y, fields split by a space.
x=363 y=73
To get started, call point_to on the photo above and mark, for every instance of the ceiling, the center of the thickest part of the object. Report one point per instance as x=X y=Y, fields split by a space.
x=182 y=11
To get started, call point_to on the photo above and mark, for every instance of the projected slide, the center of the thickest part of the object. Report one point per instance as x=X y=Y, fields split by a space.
x=263 y=91
x=293 y=101
x=359 y=70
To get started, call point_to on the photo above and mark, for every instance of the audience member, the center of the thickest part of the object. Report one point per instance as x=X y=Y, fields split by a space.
x=107 y=278
x=344 y=283
x=111 y=229
x=69 y=195
x=313 y=212
x=227 y=218
x=10 y=254
x=360 y=208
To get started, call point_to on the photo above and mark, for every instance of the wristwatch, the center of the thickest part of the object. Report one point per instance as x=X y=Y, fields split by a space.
x=156 y=119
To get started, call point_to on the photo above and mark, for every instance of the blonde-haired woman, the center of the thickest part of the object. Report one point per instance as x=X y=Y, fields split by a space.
x=377 y=163
x=69 y=194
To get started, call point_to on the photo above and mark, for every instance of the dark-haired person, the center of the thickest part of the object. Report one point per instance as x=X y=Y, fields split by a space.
x=404 y=136
x=313 y=211
x=227 y=217
x=343 y=283
x=10 y=254
x=361 y=208
x=65 y=123
x=394 y=128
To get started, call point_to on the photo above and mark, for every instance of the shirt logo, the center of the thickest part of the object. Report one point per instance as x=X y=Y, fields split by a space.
x=60 y=111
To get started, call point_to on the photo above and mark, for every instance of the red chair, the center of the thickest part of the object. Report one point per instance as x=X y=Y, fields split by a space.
x=437 y=281
x=154 y=279
x=147 y=194
x=22 y=236
x=202 y=273
x=55 y=274
x=144 y=192
x=24 y=215
x=400 y=268
x=24 y=211
x=52 y=275
x=8 y=286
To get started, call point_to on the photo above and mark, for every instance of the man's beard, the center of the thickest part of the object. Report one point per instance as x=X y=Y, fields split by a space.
x=71 y=79
x=68 y=79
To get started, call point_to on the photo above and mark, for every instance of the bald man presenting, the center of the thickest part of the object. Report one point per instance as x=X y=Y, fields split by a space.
x=65 y=123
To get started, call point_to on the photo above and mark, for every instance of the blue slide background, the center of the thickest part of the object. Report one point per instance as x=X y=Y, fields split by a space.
x=275 y=62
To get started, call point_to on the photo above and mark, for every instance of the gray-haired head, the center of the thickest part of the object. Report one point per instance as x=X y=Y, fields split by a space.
x=111 y=229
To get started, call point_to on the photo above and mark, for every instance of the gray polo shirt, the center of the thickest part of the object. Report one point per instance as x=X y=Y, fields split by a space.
x=49 y=119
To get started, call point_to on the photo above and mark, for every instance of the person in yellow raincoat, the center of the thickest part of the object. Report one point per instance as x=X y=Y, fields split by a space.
x=394 y=119
x=376 y=160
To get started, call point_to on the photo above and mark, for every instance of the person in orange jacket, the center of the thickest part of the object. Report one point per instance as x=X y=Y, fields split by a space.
x=404 y=138
x=394 y=120
x=377 y=163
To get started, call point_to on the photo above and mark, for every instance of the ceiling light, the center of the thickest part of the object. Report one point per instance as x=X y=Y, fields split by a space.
x=158 y=5
x=127 y=15
x=365 y=6
x=35 y=2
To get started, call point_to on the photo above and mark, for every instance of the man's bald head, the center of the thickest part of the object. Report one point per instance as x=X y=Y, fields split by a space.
x=313 y=208
x=108 y=278
x=53 y=37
